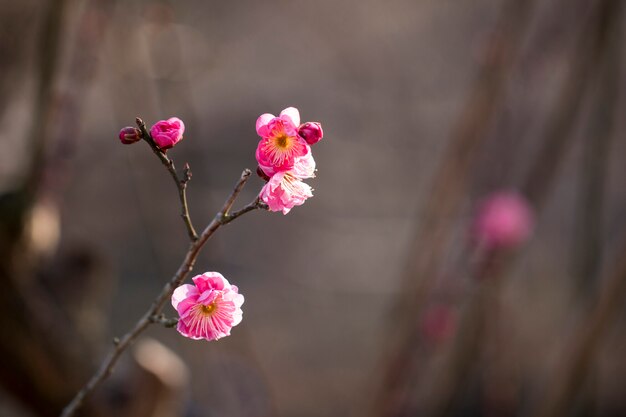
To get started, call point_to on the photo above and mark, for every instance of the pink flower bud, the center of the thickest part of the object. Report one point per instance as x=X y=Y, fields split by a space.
x=504 y=221
x=167 y=133
x=129 y=135
x=311 y=132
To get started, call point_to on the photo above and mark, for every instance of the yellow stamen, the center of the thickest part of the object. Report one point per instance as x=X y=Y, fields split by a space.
x=281 y=141
x=207 y=310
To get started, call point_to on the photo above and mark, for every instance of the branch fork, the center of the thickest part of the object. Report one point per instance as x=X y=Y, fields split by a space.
x=154 y=314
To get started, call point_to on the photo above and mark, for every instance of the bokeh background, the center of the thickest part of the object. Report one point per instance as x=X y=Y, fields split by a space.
x=370 y=299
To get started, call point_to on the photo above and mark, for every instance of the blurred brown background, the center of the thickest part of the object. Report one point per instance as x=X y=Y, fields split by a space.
x=427 y=106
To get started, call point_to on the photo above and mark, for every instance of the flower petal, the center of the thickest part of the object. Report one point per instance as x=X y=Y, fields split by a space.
x=183 y=292
x=210 y=281
x=207 y=297
x=261 y=124
x=304 y=167
x=293 y=114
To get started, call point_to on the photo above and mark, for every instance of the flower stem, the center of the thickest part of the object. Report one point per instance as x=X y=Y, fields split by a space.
x=154 y=312
x=181 y=183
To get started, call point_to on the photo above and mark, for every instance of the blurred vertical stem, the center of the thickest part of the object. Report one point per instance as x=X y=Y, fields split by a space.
x=468 y=134
x=568 y=380
x=593 y=45
x=434 y=225
x=557 y=140
x=48 y=63
x=574 y=372
x=32 y=369
x=588 y=247
x=560 y=126
x=459 y=359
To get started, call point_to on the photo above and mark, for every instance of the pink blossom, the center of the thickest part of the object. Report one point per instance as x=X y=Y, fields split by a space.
x=209 y=308
x=284 y=191
x=303 y=166
x=504 y=220
x=129 y=135
x=167 y=133
x=280 y=144
x=311 y=132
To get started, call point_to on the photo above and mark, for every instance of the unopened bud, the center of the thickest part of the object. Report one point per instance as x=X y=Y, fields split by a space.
x=311 y=132
x=129 y=135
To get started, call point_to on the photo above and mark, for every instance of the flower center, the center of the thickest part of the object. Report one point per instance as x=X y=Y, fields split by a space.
x=207 y=310
x=281 y=141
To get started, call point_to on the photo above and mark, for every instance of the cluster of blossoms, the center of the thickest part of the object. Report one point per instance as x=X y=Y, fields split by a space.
x=210 y=307
x=285 y=158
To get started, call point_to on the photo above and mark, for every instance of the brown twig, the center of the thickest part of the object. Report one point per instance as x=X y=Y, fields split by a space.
x=120 y=345
x=181 y=183
x=161 y=319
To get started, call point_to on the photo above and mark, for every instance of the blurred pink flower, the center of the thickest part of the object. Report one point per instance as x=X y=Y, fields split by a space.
x=129 y=135
x=167 y=133
x=209 y=308
x=311 y=132
x=504 y=220
x=284 y=191
x=280 y=144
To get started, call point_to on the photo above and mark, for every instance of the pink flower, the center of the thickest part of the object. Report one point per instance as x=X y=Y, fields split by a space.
x=129 y=135
x=167 y=133
x=280 y=144
x=504 y=221
x=311 y=132
x=303 y=166
x=208 y=309
x=284 y=191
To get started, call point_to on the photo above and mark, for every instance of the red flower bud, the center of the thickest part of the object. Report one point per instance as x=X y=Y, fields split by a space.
x=129 y=135
x=311 y=132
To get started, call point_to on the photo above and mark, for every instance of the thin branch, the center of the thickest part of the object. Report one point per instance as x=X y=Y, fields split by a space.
x=181 y=184
x=154 y=312
x=229 y=203
x=161 y=319
x=255 y=204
